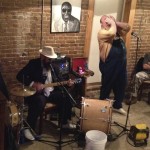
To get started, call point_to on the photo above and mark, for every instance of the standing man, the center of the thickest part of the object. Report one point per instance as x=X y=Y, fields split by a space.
x=67 y=22
x=113 y=60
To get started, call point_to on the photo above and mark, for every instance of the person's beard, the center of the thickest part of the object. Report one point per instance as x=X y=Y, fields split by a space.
x=46 y=65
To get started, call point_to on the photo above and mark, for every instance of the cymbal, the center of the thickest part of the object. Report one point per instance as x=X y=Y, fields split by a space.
x=24 y=91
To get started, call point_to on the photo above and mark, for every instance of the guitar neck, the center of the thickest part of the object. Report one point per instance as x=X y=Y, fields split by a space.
x=55 y=84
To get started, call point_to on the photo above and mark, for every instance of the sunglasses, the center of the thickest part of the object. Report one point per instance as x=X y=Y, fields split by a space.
x=66 y=10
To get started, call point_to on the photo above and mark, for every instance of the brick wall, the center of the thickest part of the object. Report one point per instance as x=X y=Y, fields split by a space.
x=141 y=26
x=20 y=33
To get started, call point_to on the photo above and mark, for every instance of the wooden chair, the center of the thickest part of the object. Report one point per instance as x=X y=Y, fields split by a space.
x=49 y=109
x=145 y=85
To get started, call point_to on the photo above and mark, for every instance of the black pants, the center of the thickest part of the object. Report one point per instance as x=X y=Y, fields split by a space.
x=114 y=74
x=37 y=102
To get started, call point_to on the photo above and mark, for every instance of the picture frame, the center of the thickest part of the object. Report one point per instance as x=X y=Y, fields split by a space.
x=65 y=16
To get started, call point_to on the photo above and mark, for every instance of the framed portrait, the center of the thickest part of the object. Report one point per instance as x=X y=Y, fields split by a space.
x=65 y=16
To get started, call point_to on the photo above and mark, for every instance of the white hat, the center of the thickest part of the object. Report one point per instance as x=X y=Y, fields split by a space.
x=48 y=51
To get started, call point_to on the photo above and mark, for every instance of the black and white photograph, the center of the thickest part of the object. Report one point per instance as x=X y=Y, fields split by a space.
x=65 y=16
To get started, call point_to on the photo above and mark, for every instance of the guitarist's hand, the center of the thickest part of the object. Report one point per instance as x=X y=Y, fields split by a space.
x=70 y=82
x=38 y=86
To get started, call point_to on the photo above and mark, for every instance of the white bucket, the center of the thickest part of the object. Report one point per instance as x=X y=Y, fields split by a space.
x=95 y=140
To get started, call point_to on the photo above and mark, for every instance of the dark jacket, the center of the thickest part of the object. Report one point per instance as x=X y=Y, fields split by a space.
x=33 y=71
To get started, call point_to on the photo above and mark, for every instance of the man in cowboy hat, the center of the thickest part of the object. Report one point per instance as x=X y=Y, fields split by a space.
x=35 y=74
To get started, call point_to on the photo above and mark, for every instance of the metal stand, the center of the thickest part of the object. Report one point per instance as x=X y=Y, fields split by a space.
x=125 y=129
x=137 y=48
x=60 y=142
x=23 y=92
x=23 y=122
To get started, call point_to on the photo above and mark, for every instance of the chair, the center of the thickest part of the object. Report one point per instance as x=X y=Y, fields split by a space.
x=50 y=108
x=145 y=85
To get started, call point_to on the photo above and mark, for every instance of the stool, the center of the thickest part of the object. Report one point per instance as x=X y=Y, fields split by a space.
x=49 y=108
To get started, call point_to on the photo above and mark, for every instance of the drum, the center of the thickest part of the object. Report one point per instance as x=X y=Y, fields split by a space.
x=13 y=114
x=96 y=115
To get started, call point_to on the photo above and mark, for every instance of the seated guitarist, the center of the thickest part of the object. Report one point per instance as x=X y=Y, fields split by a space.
x=36 y=74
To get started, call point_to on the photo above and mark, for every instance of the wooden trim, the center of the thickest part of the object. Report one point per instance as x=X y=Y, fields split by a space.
x=88 y=31
x=94 y=85
x=129 y=15
x=91 y=87
x=89 y=27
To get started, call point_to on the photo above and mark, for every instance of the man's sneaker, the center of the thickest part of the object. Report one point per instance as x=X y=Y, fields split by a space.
x=120 y=110
x=28 y=135
x=69 y=126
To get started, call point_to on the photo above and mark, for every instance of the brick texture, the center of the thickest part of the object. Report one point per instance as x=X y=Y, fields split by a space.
x=141 y=26
x=20 y=33
x=21 y=30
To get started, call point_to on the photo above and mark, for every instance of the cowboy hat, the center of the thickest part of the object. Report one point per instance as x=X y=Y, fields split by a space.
x=48 y=51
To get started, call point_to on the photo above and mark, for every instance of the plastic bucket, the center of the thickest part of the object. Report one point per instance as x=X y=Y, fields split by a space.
x=95 y=140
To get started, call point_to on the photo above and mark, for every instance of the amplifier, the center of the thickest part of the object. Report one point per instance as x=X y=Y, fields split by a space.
x=62 y=65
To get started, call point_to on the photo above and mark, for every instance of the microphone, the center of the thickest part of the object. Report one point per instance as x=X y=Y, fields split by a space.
x=135 y=35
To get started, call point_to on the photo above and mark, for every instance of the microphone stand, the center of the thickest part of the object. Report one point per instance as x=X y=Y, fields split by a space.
x=136 y=56
x=60 y=142
x=137 y=47
x=63 y=87
x=125 y=129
